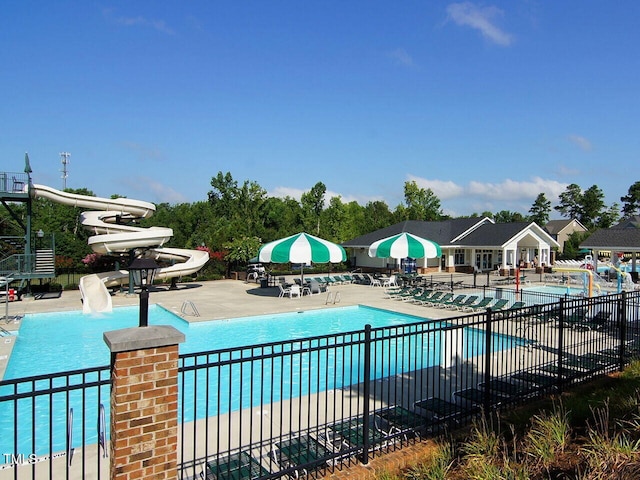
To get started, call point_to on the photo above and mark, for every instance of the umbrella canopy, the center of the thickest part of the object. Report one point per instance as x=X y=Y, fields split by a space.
x=404 y=245
x=301 y=248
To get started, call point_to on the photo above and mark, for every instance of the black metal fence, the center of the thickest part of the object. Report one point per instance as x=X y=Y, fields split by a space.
x=321 y=403
x=312 y=404
x=55 y=426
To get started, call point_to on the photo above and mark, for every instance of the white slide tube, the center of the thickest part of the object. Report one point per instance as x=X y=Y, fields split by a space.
x=111 y=236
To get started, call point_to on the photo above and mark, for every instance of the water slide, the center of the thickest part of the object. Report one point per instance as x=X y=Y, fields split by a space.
x=111 y=236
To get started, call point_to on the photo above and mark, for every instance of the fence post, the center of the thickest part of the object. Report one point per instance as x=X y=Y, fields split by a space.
x=144 y=402
x=622 y=321
x=560 y=343
x=487 y=361
x=366 y=393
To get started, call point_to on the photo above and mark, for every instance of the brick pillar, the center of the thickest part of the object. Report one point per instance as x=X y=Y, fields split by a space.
x=144 y=402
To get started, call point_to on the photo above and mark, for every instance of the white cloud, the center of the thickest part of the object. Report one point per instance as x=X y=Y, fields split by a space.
x=443 y=189
x=145 y=153
x=282 y=192
x=581 y=142
x=159 y=25
x=296 y=193
x=152 y=190
x=400 y=56
x=506 y=190
x=481 y=19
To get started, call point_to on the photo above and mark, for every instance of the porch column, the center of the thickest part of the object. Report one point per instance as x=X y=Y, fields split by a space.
x=144 y=402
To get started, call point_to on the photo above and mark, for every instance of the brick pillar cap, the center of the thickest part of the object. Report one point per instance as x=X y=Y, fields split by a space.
x=140 y=338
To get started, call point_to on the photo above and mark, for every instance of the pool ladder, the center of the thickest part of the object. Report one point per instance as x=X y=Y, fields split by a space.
x=189 y=308
x=332 y=297
x=5 y=333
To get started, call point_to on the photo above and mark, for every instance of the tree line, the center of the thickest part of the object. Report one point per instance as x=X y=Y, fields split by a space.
x=237 y=217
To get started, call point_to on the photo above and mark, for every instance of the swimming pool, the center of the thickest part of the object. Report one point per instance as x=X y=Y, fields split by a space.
x=49 y=343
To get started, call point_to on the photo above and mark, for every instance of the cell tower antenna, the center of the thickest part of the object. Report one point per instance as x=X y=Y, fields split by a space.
x=64 y=158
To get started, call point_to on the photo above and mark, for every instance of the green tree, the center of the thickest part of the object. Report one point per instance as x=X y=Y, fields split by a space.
x=631 y=201
x=505 y=216
x=421 y=204
x=540 y=210
x=242 y=249
x=312 y=206
x=282 y=217
x=333 y=219
x=592 y=205
x=376 y=216
x=570 y=204
x=609 y=217
x=241 y=206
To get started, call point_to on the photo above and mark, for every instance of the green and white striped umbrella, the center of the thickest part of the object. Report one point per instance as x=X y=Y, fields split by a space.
x=301 y=248
x=404 y=245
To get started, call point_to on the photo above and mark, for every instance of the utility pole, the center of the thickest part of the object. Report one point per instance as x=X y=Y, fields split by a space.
x=64 y=158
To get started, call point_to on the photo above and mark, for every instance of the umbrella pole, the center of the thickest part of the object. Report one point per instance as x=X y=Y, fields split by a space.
x=301 y=275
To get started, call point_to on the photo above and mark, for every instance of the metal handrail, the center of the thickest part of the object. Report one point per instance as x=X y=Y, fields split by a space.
x=189 y=304
x=102 y=431
x=70 y=436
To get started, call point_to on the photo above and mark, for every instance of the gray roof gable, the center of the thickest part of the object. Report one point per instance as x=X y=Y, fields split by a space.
x=490 y=235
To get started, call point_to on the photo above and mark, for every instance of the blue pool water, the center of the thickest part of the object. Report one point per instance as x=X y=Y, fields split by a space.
x=57 y=342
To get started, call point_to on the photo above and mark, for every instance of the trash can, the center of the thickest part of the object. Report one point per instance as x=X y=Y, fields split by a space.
x=264 y=282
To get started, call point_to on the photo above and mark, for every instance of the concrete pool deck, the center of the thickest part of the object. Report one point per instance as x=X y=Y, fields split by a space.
x=224 y=299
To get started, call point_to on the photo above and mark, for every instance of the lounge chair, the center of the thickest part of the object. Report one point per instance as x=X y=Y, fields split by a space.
x=374 y=282
x=477 y=397
x=505 y=313
x=403 y=421
x=302 y=454
x=315 y=286
x=470 y=300
x=481 y=305
x=349 y=434
x=237 y=466
x=397 y=292
x=598 y=321
x=434 y=302
x=331 y=281
x=410 y=296
x=422 y=297
x=539 y=379
x=349 y=278
x=442 y=410
x=433 y=297
x=500 y=304
x=575 y=318
x=360 y=279
x=508 y=388
x=452 y=303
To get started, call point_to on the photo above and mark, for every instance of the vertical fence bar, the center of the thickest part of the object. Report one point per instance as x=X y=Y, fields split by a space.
x=622 y=318
x=487 y=360
x=366 y=393
x=561 y=314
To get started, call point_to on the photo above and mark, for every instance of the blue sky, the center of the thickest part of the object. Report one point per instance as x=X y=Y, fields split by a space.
x=486 y=103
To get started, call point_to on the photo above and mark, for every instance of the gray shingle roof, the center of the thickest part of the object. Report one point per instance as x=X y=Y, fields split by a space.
x=491 y=235
x=553 y=227
x=442 y=232
x=615 y=239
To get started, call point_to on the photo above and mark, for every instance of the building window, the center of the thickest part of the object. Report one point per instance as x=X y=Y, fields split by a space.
x=458 y=257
